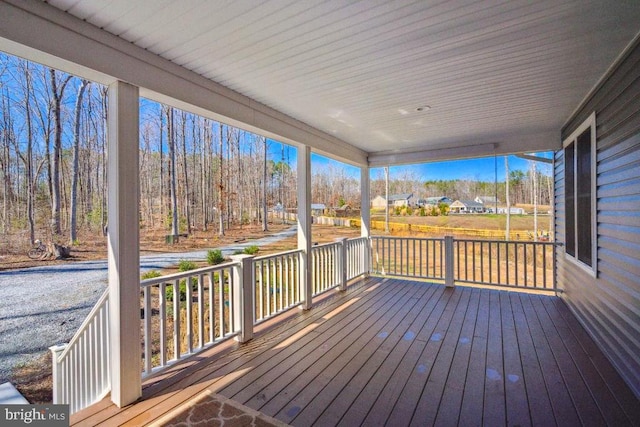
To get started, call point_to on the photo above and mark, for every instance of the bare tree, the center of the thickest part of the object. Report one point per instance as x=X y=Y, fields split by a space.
x=74 y=173
x=172 y=172
x=57 y=90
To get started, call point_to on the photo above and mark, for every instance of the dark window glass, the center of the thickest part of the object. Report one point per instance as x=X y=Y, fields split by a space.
x=569 y=199
x=583 y=193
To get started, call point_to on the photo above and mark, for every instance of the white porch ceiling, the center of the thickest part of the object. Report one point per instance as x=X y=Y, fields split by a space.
x=493 y=72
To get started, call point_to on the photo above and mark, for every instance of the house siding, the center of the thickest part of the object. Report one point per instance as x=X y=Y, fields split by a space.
x=608 y=305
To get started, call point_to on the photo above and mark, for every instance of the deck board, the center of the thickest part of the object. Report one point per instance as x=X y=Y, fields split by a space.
x=473 y=390
x=451 y=400
x=399 y=352
x=538 y=400
x=516 y=401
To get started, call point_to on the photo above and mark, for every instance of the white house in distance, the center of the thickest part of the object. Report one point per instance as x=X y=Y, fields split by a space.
x=466 y=206
x=395 y=200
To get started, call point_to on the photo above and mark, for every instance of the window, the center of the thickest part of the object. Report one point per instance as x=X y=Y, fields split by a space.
x=580 y=200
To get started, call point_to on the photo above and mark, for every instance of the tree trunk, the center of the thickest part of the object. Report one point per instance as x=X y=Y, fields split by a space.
x=57 y=93
x=187 y=196
x=172 y=172
x=73 y=235
x=221 y=200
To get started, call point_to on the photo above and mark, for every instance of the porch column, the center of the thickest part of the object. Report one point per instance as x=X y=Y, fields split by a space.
x=123 y=243
x=304 y=224
x=365 y=214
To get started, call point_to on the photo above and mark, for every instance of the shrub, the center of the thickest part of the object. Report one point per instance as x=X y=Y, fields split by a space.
x=150 y=274
x=215 y=257
x=185 y=265
x=251 y=250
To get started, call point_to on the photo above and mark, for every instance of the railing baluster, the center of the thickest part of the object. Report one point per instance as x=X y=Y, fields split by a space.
x=189 y=302
x=200 y=310
x=147 y=330
x=163 y=324
x=212 y=307
x=176 y=319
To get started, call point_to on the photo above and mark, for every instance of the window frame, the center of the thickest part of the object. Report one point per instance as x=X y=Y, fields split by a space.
x=588 y=124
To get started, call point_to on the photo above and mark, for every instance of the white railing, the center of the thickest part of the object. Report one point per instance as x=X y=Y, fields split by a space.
x=505 y=263
x=81 y=367
x=357 y=257
x=277 y=283
x=490 y=262
x=326 y=267
x=409 y=257
x=186 y=312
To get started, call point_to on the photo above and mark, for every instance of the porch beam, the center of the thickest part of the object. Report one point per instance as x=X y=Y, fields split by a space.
x=304 y=224
x=457 y=150
x=123 y=243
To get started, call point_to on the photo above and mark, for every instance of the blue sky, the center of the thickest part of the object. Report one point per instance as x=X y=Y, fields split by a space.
x=481 y=169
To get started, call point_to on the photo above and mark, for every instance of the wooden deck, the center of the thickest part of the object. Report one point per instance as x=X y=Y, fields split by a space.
x=399 y=352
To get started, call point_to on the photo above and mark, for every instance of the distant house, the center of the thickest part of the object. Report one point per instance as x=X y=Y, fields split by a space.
x=434 y=201
x=467 y=206
x=378 y=202
x=400 y=200
x=487 y=200
x=394 y=200
x=344 y=211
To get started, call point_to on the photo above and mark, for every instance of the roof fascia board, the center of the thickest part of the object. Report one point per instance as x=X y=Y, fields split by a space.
x=40 y=32
x=538 y=141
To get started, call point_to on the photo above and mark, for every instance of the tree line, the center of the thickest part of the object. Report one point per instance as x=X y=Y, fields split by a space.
x=195 y=173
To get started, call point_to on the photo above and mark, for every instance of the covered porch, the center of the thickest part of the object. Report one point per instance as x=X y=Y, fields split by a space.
x=371 y=84
x=398 y=352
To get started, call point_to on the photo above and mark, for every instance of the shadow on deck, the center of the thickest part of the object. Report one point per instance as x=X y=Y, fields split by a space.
x=397 y=352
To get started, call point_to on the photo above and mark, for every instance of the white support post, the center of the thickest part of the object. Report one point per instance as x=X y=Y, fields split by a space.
x=342 y=264
x=56 y=350
x=243 y=296
x=304 y=224
x=124 y=243
x=448 y=261
x=365 y=215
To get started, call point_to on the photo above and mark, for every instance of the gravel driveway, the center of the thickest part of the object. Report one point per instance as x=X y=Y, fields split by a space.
x=44 y=306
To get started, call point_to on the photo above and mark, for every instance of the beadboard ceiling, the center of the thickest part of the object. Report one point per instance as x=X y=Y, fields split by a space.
x=390 y=76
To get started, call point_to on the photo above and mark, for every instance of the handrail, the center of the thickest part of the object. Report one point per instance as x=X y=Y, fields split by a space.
x=81 y=374
x=187 y=312
x=183 y=313
x=520 y=264
x=277 y=283
x=326 y=267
